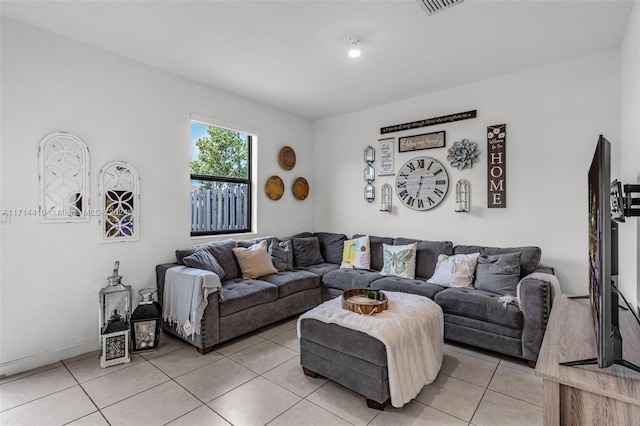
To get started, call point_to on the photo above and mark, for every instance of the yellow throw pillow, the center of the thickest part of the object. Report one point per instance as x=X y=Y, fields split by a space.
x=254 y=261
x=356 y=254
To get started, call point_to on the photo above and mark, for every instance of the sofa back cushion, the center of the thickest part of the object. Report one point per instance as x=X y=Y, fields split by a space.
x=375 y=245
x=427 y=253
x=498 y=273
x=331 y=245
x=306 y=251
x=529 y=255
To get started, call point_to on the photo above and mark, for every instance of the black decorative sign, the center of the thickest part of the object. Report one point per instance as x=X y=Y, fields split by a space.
x=497 y=166
x=418 y=142
x=429 y=122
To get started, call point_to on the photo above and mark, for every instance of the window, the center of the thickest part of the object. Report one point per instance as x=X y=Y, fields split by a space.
x=220 y=195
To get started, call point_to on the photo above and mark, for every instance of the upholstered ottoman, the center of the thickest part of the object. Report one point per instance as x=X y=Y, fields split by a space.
x=386 y=357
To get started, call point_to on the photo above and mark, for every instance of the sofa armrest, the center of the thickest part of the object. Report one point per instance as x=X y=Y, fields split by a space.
x=210 y=323
x=535 y=304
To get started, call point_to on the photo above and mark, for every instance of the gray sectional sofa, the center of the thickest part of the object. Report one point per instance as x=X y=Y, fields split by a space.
x=471 y=316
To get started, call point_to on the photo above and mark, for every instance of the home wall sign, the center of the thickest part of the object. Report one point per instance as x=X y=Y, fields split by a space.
x=429 y=122
x=386 y=157
x=419 y=142
x=497 y=166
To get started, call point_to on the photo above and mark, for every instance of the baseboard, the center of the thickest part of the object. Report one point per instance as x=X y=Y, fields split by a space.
x=34 y=361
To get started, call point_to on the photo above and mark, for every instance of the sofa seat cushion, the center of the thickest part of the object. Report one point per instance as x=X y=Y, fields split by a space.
x=292 y=281
x=347 y=279
x=320 y=269
x=241 y=294
x=478 y=304
x=407 y=286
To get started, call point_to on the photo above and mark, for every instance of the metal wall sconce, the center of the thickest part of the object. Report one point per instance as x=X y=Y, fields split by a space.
x=369 y=174
x=385 y=205
x=370 y=193
x=463 y=195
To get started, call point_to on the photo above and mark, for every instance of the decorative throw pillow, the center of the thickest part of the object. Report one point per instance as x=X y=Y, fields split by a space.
x=455 y=271
x=399 y=261
x=282 y=255
x=356 y=254
x=254 y=261
x=306 y=251
x=498 y=273
x=202 y=259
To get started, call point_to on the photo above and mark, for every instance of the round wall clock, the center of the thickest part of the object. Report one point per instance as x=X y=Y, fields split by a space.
x=422 y=183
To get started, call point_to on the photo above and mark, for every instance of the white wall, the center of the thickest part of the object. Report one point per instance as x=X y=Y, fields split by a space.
x=553 y=115
x=51 y=273
x=630 y=154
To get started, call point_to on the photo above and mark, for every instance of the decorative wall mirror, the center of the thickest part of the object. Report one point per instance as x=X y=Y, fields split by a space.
x=385 y=205
x=63 y=177
x=119 y=202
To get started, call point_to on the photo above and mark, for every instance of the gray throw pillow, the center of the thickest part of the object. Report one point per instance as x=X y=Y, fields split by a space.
x=202 y=259
x=282 y=255
x=306 y=251
x=498 y=273
x=223 y=252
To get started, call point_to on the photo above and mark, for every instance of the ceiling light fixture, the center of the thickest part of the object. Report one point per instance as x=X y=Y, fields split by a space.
x=355 y=40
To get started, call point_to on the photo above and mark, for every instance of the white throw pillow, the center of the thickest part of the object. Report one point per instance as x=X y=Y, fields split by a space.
x=455 y=271
x=399 y=261
x=356 y=254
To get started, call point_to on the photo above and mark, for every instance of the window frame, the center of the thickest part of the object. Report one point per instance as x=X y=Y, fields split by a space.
x=246 y=181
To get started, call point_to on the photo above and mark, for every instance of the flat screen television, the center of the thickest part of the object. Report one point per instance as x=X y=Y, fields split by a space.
x=603 y=262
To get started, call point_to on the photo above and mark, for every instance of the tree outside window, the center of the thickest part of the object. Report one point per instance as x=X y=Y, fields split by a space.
x=220 y=180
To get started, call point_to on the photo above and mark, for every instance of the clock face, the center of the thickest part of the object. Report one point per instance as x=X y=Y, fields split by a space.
x=422 y=183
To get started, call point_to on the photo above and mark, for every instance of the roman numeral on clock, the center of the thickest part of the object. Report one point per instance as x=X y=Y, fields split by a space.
x=438 y=192
x=401 y=185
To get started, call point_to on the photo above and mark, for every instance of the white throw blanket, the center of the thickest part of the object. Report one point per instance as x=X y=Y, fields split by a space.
x=412 y=330
x=185 y=297
x=550 y=279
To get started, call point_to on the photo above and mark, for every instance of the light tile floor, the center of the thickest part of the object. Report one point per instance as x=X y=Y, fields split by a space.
x=257 y=380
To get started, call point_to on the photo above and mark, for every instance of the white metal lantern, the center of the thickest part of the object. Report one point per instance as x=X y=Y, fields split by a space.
x=115 y=312
x=463 y=194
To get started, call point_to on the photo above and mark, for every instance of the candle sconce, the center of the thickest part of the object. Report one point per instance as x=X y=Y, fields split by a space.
x=385 y=205
x=463 y=195
x=370 y=193
x=369 y=174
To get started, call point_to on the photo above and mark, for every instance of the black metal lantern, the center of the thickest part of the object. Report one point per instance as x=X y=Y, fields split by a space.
x=145 y=322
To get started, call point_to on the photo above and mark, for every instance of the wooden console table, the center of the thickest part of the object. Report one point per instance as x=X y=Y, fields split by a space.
x=587 y=395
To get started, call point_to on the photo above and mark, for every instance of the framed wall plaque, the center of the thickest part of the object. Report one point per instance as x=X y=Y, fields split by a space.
x=419 y=142
x=386 y=157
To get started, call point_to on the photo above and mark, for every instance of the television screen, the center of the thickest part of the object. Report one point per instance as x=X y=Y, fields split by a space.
x=600 y=290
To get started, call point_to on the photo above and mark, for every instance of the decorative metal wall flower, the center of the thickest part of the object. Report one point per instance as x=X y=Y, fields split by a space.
x=463 y=154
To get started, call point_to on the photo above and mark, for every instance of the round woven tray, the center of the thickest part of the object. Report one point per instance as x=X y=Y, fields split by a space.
x=356 y=301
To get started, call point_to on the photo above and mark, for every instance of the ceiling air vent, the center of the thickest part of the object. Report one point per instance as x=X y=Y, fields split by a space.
x=434 y=6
